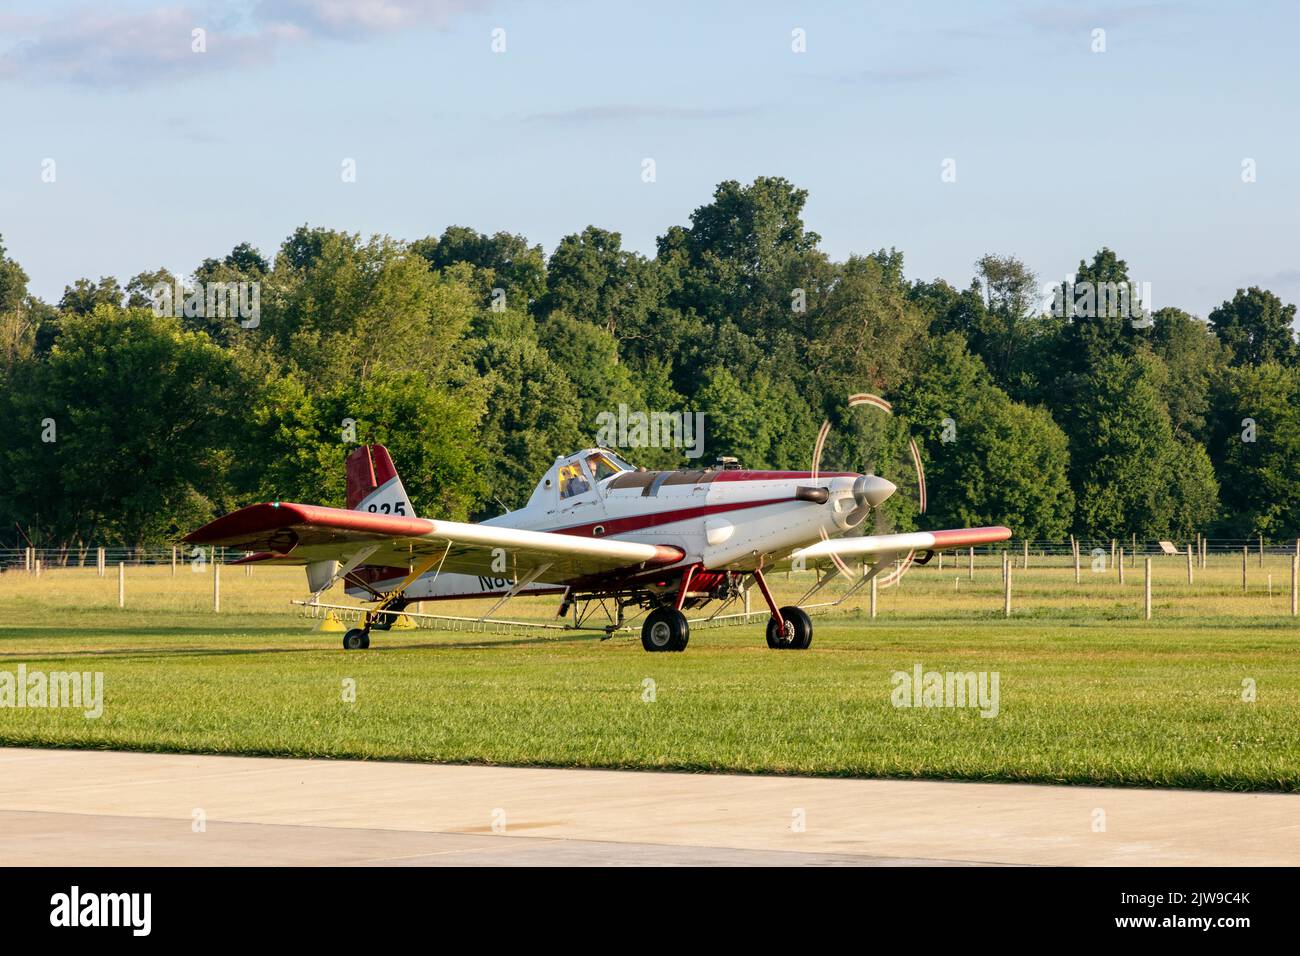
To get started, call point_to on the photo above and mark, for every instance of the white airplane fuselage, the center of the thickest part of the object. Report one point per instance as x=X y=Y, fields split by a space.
x=721 y=519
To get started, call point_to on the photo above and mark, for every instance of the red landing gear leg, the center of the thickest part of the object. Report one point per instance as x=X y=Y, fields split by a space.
x=767 y=596
x=790 y=627
x=685 y=586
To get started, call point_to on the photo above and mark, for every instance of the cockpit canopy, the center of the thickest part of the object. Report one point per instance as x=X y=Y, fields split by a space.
x=574 y=475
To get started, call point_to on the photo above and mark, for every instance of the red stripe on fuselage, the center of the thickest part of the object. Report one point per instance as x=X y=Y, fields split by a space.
x=616 y=526
x=735 y=475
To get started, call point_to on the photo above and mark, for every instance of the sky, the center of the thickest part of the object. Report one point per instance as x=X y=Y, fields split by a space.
x=164 y=156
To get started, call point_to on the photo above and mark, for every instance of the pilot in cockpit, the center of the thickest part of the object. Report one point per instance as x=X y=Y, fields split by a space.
x=572 y=481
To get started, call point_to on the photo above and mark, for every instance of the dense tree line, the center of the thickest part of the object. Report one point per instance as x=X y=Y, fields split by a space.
x=477 y=359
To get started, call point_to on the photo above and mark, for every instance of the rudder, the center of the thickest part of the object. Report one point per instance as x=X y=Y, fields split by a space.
x=374 y=485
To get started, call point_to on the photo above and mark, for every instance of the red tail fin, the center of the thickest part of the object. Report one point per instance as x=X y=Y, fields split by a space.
x=373 y=484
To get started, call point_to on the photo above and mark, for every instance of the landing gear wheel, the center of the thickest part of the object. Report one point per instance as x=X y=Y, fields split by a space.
x=666 y=629
x=798 y=630
x=356 y=639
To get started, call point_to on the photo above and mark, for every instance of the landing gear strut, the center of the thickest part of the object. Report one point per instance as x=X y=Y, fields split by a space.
x=789 y=628
x=665 y=629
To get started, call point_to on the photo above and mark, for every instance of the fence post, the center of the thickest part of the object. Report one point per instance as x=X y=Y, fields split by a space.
x=121 y=584
x=1076 y=562
x=1245 y=556
x=1189 y=564
x=940 y=560
x=873 y=598
x=1120 y=565
x=37 y=566
x=1006 y=592
x=1295 y=585
x=1147 y=590
x=216 y=588
x=1026 y=553
x=971 y=574
x=1261 y=550
x=173 y=560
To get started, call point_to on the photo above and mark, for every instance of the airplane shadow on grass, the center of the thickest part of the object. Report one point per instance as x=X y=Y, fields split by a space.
x=163 y=653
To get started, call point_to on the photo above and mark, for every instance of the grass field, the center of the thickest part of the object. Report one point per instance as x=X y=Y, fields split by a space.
x=1089 y=692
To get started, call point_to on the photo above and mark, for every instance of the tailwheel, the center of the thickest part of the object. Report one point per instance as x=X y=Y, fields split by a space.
x=666 y=629
x=796 y=636
x=357 y=639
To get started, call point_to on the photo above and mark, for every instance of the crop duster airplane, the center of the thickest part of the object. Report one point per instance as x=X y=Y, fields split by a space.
x=596 y=530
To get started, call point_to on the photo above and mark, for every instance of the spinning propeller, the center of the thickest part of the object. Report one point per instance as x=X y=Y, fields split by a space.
x=865 y=437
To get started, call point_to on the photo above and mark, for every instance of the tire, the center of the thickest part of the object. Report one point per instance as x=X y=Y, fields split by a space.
x=666 y=629
x=356 y=639
x=798 y=630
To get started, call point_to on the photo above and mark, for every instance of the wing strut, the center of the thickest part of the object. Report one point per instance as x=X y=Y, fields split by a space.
x=352 y=564
x=519 y=585
x=396 y=594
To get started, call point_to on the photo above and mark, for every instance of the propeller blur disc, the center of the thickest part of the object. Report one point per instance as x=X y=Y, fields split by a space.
x=866 y=438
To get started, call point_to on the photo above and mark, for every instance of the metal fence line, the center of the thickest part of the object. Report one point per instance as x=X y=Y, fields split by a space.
x=21 y=559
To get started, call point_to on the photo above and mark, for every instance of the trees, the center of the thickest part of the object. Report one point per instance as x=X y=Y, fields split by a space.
x=1256 y=328
x=867 y=331
x=532 y=413
x=121 y=435
x=13 y=282
x=592 y=278
x=589 y=357
x=340 y=308
x=1192 y=354
x=1102 y=311
x=503 y=261
x=988 y=460
x=1129 y=473
x=1011 y=303
x=743 y=256
x=1255 y=446
x=1087 y=420
x=84 y=296
x=298 y=439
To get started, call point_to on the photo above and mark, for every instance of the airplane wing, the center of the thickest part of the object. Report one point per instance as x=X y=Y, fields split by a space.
x=287 y=533
x=892 y=545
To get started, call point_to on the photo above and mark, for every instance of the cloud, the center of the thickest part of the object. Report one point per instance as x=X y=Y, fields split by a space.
x=589 y=115
x=97 y=48
x=347 y=18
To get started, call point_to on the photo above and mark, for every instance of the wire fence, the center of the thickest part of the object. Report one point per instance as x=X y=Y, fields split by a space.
x=1049 y=552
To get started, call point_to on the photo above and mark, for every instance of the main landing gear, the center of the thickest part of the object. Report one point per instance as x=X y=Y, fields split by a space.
x=789 y=628
x=380 y=619
x=794 y=633
x=665 y=629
